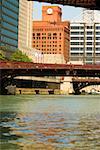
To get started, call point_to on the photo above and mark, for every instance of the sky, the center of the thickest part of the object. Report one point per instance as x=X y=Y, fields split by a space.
x=68 y=12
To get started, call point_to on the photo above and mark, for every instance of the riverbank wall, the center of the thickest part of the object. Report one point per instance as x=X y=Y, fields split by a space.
x=34 y=91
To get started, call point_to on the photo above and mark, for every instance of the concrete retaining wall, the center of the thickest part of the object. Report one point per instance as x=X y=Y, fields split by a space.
x=33 y=91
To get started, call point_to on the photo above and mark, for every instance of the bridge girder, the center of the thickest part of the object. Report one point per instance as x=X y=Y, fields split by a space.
x=8 y=68
x=91 y=4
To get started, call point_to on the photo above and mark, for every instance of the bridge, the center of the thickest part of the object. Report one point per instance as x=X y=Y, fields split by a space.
x=91 y=4
x=80 y=83
x=14 y=69
x=9 y=70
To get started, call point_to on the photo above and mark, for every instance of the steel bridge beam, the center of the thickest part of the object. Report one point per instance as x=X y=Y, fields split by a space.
x=91 y=4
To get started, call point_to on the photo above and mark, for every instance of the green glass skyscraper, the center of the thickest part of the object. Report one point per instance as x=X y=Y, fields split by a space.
x=9 y=12
x=16 y=23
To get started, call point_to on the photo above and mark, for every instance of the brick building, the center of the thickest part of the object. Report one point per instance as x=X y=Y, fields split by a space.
x=51 y=35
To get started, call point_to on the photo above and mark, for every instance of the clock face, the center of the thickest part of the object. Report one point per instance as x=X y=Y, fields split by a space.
x=49 y=11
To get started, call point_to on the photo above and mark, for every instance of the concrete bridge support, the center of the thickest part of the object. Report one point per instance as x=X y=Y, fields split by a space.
x=5 y=82
x=76 y=88
x=67 y=86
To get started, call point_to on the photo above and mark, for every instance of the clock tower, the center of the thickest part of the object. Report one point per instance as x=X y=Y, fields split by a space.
x=51 y=13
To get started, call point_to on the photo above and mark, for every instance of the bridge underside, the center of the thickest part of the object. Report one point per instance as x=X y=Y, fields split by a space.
x=49 y=72
x=91 y=4
x=77 y=86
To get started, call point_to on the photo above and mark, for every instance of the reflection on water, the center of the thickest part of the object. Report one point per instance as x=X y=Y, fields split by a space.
x=49 y=126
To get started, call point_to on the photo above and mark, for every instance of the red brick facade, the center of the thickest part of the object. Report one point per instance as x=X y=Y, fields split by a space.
x=51 y=35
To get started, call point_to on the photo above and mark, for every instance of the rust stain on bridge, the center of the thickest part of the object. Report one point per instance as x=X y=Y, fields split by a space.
x=31 y=65
x=34 y=69
x=91 y=4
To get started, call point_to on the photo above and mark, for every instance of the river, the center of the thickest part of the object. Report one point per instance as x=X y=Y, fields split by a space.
x=35 y=122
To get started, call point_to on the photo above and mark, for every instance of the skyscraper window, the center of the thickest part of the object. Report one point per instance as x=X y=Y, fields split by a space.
x=9 y=14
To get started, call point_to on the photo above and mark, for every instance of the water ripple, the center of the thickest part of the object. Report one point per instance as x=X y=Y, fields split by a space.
x=62 y=130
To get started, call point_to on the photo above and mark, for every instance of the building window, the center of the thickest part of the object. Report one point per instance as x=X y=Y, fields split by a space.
x=89 y=48
x=76 y=48
x=98 y=27
x=97 y=38
x=89 y=33
x=76 y=27
x=76 y=43
x=33 y=34
x=98 y=49
x=98 y=54
x=43 y=33
x=49 y=34
x=97 y=33
x=89 y=43
x=49 y=37
x=43 y=38
x=54 y=34
x=89 y=38
x=89 y=27
x=75 y=33
x=97 y=43
x=77 y=38
x=54 y=37
x=38 y=34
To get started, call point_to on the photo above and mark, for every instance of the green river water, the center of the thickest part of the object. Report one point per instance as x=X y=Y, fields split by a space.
x=49 y=122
